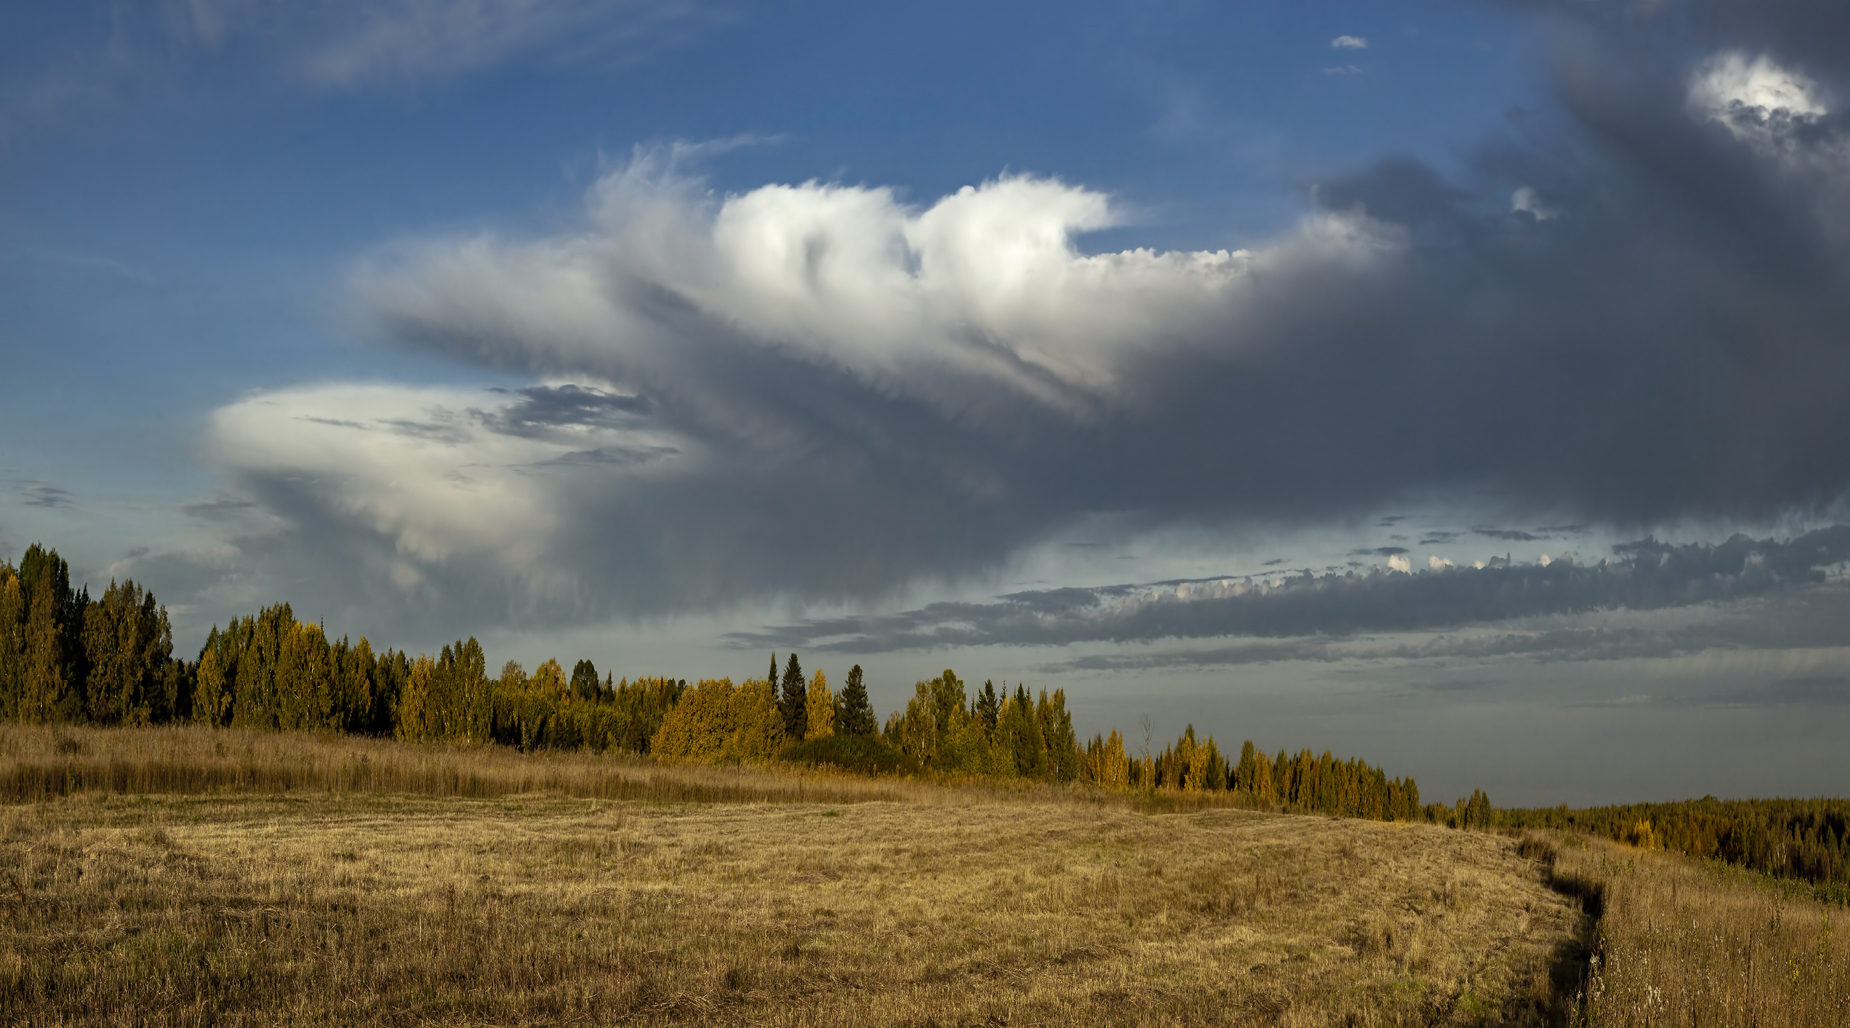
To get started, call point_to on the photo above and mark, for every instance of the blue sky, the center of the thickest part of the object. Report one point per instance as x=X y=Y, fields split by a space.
x=661 y=333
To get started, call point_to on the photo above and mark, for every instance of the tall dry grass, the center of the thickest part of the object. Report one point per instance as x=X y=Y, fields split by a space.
x=1685 y=942
x=39 y=762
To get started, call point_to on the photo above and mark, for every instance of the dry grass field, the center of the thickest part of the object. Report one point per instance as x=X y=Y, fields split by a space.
x=1687 y=943
x=731 y=897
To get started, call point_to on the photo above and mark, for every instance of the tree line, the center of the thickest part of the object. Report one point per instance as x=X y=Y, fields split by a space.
x=68 y=658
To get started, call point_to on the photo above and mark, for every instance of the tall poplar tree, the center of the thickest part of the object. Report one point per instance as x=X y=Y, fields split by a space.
x=12 y=634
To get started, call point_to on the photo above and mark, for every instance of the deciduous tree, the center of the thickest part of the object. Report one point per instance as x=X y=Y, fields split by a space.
x=820 y=717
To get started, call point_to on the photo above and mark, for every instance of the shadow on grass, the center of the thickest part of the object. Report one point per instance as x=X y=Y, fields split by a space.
x=1568 y=963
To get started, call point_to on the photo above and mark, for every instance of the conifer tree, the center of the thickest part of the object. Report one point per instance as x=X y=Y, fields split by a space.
x=989 y=706
x=1019 y=731
x=854 y=714
x=1217 y=767
x=1061 y=745
x=794 y=703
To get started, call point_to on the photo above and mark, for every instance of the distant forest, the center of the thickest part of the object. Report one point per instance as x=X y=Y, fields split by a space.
x=68 y=658
x=1807 y=839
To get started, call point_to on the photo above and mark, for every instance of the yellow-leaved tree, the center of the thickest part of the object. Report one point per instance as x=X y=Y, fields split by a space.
x=701 y=725
x=819 y=709
x=758 y=724
x=715 y=722
x=549 y=680
x=414 y=713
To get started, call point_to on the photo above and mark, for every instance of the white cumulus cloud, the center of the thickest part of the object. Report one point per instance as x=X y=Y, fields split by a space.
x=1525 y=200
x=1730 y=82
x=1349 y=43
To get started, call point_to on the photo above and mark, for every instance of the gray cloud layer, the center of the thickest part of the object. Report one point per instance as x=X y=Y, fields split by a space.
x=1647 y=575
x=1630 y=307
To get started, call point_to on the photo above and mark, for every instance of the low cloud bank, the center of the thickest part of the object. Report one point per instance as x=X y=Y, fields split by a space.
x=1646 y=575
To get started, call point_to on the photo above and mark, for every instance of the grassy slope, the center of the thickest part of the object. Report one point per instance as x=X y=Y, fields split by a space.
x=1687 y=942
x=798 y=899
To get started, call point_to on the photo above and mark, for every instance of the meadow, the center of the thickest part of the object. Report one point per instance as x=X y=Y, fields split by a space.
x=1679 y=941
x=272 y=882
x=196 y=876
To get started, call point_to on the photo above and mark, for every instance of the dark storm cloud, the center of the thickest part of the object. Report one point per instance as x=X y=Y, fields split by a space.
x=542 y=410
x=1648 y=575
x=1798 y=618
x=1513 y=535
x=1627 y=308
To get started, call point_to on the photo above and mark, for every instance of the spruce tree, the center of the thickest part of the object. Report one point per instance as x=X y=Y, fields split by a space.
x=854 y=714
x=794 y=703
x=988 y=705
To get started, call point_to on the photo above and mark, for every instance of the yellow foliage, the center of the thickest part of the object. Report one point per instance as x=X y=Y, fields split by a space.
x=716 y=722
x=1643 y=835
x=758 y=726
x=699 y=726
x=1114 y=768
x=414 y=703
x=549 y=679
x=819 y=709
x=1196 y=779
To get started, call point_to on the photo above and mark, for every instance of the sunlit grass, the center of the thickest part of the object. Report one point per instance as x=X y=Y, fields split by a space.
x=732 y=896
x=1686 y=942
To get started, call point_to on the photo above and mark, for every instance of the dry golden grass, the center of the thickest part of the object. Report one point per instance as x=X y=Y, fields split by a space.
x=1682 y=942
x=930 y=905
x=38 y=762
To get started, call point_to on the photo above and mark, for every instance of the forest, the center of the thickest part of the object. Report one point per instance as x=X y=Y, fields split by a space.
x=66 y=658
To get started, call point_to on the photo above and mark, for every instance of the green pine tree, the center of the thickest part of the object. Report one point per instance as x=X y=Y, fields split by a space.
x=854 y=715
x=989 y=706
x=794 y=703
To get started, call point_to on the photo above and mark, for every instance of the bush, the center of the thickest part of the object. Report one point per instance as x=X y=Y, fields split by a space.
x=863 y=754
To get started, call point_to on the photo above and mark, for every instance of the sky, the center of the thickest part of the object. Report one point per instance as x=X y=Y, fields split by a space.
x=1454 y=384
